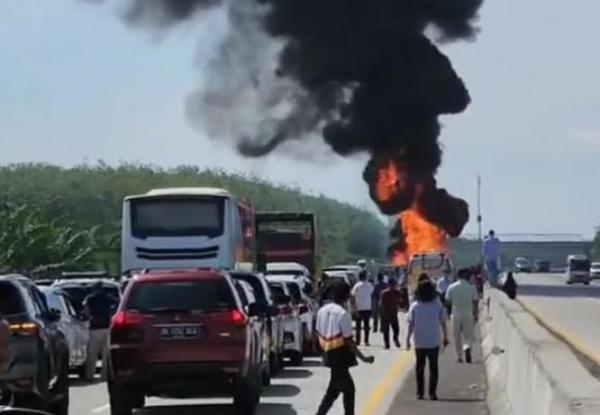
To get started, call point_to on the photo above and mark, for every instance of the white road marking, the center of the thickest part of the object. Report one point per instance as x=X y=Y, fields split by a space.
x=101 y=408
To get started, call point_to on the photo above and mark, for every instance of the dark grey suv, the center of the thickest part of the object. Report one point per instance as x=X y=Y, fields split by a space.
x=37 y=374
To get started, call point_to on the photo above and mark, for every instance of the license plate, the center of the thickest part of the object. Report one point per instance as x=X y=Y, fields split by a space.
x=180 y=332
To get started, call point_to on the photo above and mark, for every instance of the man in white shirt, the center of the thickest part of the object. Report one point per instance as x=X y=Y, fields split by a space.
x=362 y=295
x=334 y=327
x=463 y=299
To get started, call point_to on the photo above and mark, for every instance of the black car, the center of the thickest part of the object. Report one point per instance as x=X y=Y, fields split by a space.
x=542 y=266
x=37 y=375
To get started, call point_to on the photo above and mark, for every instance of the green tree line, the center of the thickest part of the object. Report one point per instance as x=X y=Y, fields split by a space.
x=53 y=216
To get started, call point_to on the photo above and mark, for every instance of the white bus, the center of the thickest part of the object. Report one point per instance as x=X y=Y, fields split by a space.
x=187 y=228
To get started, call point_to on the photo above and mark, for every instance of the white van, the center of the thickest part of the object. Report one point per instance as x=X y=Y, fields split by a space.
x=434 y=264
x=578 y=269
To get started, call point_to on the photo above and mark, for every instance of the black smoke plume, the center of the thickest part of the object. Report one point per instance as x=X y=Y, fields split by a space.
x=366 y=74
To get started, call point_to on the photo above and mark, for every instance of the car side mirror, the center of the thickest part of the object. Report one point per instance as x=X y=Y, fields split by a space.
x=253 y=310
x=53 y=315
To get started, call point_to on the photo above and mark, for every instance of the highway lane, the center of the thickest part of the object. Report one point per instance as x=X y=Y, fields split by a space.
x=570 y=311
x=297 y=391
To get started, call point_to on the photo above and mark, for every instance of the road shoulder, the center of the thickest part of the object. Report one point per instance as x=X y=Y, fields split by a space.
x=461 y=390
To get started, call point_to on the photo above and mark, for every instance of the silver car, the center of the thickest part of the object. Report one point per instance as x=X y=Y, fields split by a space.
x=72 y=325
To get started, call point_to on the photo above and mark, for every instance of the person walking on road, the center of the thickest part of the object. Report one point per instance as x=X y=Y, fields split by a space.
x=391 y=301
x=427 y=321
x=380 y=285
x=463 y=298
x=362 y=295
x=442 y=288
x=98 y=308
x=334 y=328
x=491 y=255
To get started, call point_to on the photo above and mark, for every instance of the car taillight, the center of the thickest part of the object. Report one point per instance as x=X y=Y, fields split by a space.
x=238 y=318
x=24 y=329
x=126 y=327
x=235 y=317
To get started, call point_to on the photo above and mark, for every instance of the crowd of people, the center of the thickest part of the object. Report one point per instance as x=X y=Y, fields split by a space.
x=453 y=298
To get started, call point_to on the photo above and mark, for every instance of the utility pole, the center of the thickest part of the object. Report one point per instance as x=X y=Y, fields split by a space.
x=479 y=207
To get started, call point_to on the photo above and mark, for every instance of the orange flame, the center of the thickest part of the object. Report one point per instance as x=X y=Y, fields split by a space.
x=420 y=236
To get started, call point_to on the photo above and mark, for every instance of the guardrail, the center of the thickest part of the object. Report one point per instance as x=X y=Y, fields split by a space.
x=530 y=371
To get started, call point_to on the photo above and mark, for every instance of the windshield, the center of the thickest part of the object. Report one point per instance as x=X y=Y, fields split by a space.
x=177 y=217
x=285 y=272
x=429 y=262
x=256 y=285
x=53 y=300
x=579 y=265
x=78 y=293
x=209 y=295
x=10 y=300
x=294 y=291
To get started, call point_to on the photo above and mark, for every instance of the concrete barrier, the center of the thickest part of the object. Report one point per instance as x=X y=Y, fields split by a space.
x=531 y=372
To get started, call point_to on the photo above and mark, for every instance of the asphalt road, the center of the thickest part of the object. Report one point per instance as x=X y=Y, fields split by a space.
x=297 y=391
x=572 y=312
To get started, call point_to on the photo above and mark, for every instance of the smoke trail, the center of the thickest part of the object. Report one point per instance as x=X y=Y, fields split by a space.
x=364 y=74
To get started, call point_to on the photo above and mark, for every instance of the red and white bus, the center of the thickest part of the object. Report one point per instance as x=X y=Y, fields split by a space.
x=288 y=237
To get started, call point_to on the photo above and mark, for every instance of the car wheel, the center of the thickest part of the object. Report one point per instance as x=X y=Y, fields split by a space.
x=296 y=358
x=81 y=373
x=266 y=373
x=120 y=399
x=274 y=363
x=38 y=398
x=246 y=396
x=61 y=405
x=586 y=283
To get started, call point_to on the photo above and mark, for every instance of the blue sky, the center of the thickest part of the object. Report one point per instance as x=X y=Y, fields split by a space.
x=76 y=84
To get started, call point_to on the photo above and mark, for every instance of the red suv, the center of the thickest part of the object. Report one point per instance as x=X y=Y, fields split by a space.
x=184 y=334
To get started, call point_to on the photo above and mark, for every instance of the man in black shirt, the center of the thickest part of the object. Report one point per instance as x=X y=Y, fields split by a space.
x=97 y=307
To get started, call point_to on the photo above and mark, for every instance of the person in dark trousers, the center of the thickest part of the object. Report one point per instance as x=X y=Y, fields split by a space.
x=334 y=328
x=98 y=308
x=380 y=285
x=427 y=321
x=390 y=302
x=510 y=286
x=362 y=296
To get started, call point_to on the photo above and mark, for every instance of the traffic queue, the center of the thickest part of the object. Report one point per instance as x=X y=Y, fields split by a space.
x=171 y=333
x=213 y=300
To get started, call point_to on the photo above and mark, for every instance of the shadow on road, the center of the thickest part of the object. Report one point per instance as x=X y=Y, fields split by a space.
x=565 y=291
x=216 y=409
x=294 y=374
x=312 y=363
x=281 y=391
x=75 y=382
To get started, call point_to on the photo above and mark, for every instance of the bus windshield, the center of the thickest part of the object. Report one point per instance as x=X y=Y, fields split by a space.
x=160 y=217
x=579 y=265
